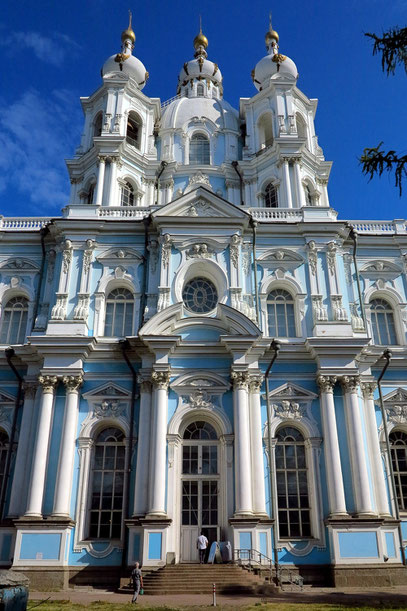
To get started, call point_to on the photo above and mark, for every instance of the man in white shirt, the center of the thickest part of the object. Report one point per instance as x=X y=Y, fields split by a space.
x=202 y=544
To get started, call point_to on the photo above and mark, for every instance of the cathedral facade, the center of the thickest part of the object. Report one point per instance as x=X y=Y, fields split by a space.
x=195 y=344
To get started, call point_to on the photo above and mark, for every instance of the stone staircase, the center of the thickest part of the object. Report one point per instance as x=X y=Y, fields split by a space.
x=198 y=579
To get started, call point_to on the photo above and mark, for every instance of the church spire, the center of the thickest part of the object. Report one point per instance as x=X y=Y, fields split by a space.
x=272 y=39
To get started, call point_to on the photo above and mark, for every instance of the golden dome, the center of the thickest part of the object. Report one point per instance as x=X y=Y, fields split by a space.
x=200 y=41
x=271 y=35
x=128 y=34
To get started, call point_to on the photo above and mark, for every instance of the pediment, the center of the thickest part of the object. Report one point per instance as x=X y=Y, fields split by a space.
x=290 y=391
x=18 y=264
x=109 y=389
x=116 y=256
x=282 y=258
x=173 y=321
x=396 y=396
x=380 y=267
x=201 y=203
x=6 y=398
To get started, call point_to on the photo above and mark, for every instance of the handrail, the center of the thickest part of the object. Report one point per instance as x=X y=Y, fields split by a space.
x=250 y=555
x=283 y=574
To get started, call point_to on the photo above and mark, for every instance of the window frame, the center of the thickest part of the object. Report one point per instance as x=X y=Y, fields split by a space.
x=195 y=136
x=134 y=119
x=114 y=302
x=131 y=195
x=390 y=310
x=22 y=325
x=292 y=302
x=266 y=194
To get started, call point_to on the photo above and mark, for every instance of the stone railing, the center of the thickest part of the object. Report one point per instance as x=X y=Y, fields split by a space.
x=123 y=212
x=379 y=227
x=276 y=214
x=168 y=102
x=15 y=223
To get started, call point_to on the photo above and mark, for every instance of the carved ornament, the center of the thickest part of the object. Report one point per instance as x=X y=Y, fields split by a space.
x=160 y=379
x=289 y=410
x=72 y=383
x=350 y=383
x=240 y=379
x=326 y=383
x=48 y=383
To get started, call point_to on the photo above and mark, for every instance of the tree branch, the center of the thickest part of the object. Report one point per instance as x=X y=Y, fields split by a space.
x=376 y=161
x=393 y=47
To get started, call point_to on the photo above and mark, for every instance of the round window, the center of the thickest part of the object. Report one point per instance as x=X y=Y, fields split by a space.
x=200 y=295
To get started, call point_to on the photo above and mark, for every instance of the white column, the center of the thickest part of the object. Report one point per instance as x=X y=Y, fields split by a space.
x=143 y=448
x=36 y=492
x=101 y=180
x=113 y=183
x=63 y=484
x=259 y=492
x=18 y=491
x=372 y=435
x=287 y=183
x=299 y=187
x=243 y=484
x=160 y=381
x=360 y=474
x=336 y=493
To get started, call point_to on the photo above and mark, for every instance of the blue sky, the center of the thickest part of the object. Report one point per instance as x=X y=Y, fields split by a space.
x=51 y=53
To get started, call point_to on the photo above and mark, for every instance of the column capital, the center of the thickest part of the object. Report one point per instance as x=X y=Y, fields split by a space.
x=255 y=382
x=240 y=379
x=350 y=383
x=326 y=383
x=160 y=379
x=48 y=383
x=30 y=388
x=368 y=389
x=72 y=383
x=144 y=380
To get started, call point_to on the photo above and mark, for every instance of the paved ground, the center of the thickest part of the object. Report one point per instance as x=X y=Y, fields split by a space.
x=345 y=596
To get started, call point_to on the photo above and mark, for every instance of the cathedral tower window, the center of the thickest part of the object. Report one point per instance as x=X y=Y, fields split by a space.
x=265 y=130
x=97 y=125
x=292 y=484
x=90 y=194
x=301 y=128
x=200 y=295
x=308 y=196
x=127 y=195
x=398 y=450
x=106 y=501
x=270 y=196
x=383 y=327
x=133 y=133
x=119 y=313
x=200 y=90
x=14 y=321
x=280 y=314
x=199 y=150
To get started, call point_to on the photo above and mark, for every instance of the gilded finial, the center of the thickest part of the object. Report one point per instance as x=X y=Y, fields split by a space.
x=200 y=40
x=271 y=34
x=129 y=34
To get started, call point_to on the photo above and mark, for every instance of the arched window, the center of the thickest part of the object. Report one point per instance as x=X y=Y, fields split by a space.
x=270 y=196
x=398 y=450
x=119 y=313
x=383 y=327
x=4 y=441
x=127 y=195
x=14 y=321
x=90 y=194
x=98 y=124
x=265 y=128
x=133 y=133
x=280 y=314
x=107 y=477
x=199 y=153
x=301 y=128
x=200 y=295
x=308 y=196
x=292 y=484
x=200 y=90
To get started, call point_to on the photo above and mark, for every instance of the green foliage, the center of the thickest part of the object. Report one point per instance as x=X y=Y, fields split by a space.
x=393 y=47
x=376 y=161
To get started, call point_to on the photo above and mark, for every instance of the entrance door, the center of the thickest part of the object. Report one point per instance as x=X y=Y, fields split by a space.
x=200 y=489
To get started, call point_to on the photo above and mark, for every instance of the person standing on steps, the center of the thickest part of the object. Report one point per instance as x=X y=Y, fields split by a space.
x=202 y=544
x=137 y=580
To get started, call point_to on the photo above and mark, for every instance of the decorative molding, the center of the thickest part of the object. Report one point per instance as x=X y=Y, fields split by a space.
x=166 y=245
x=312 y=257
x=235 y=242
x=153 y=250
x=160 y=379
x=339 y=311
x=289 y=410
x=199 y=251
x=72 y=383
x=326 y=383
x=368 y=389
x=331 y=257
x=350 y=384
x=48 y=383
x=240 y=379
x=109 y=408
x=318 y=309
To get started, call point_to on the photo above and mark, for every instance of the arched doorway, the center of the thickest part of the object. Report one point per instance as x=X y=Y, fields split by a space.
x=199 y=487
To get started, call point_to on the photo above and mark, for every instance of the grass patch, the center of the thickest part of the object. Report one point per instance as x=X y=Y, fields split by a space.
x=66 y=605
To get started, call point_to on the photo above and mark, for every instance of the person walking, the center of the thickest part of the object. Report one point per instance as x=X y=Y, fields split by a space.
x=137 y=579
x=202 y=544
